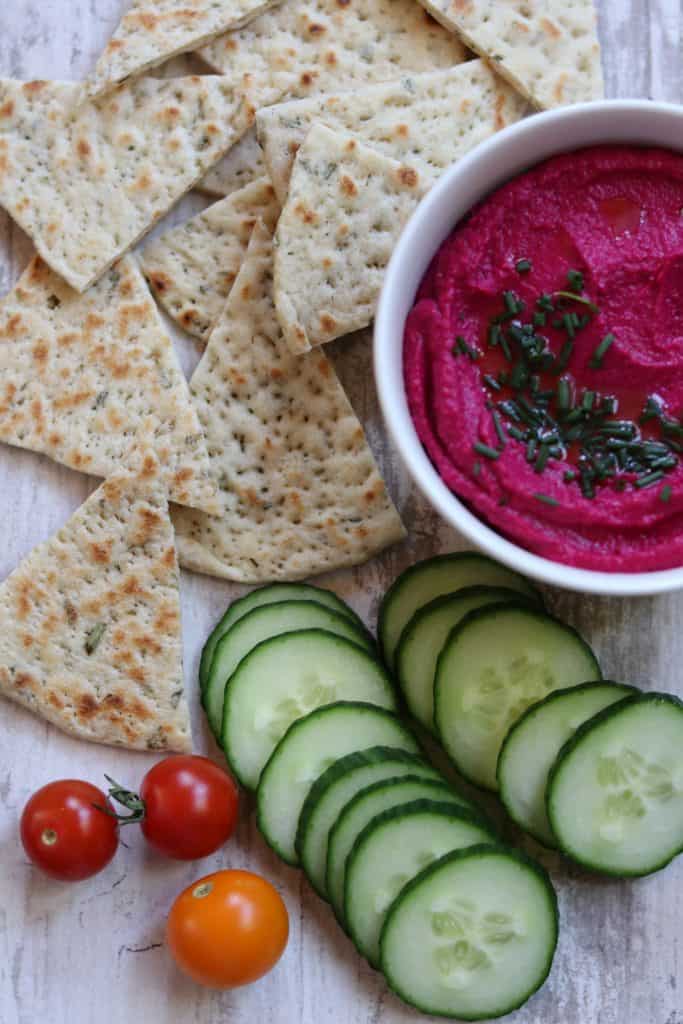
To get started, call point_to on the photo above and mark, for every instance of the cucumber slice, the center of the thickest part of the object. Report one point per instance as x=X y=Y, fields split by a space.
x=285 y=678
x=424 y=637
x=360 y=811
x=615 y=793
x=331 y=792
x=309 y=747
x=393 y=848
x=261 y=624
x=532 y=745
x=472 y=936
x=423 y=582
x=271 y=594
x=497 y=662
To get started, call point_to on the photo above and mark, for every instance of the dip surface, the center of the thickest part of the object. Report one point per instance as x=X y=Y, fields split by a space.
x=565 y=435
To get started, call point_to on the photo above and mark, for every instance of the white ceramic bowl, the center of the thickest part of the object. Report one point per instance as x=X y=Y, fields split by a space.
x=505 y=155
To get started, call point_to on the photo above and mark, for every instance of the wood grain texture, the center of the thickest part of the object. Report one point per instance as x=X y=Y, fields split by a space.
x=94 y=952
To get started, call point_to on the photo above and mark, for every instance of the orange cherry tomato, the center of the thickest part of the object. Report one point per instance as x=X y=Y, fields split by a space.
x=228 y=929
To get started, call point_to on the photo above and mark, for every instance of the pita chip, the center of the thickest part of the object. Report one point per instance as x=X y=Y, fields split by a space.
x=90 y=621
x=87 y=180
x=79 y=374
x=153 y=31
x=346 y=208
x=548 y=50
x=191 y=268
x=241 y=165
x=427 y=120
x=302 y=492
x=302 y=48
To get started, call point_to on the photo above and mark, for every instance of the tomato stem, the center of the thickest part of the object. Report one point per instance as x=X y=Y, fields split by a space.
x=128 y=799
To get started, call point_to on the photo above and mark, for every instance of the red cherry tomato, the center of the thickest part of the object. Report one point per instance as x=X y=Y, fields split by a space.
x=63 y=832
x=228 y=929
x=190 y=806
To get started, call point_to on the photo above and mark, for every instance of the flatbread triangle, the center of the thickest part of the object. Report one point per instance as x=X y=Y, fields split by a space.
x=346 y=208
x=86 y=180
x=79 y=374
x=302 y=491
x=90 y=633
x=305 y=47
x=428 y=120
x=192 y=267
x=153 y=31
x=548 y=49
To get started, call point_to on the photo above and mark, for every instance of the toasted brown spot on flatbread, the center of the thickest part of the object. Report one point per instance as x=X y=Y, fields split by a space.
x=408 y=176
x=7 y=109
x=348 y=186
x=100 y=552
x=83 y=148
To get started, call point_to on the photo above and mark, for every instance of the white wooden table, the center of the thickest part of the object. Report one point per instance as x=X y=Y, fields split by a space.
x=94 y=952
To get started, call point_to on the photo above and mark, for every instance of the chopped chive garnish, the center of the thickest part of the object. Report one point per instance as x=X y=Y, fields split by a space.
x=546 y=499
x=575 y=280
x=531 y=449
x=601 y=351
x=564 y=395
x=476 y=468
x=518 y=434
x=651 y=411
x=542 y=460
x=512 y=303
x=545 y=303
x=519 y=376
x=665 y=493
x=466 y=349
x=486 y=450
x=564 y=356
x=588 y=400
x=649 y=479
x=498 y=424
x=523 y=266
x=495 y=331
x=568 y=324
x=539 y=319
x=506 y=348
x=569 y=475
x=577 y=298
x=492 y=382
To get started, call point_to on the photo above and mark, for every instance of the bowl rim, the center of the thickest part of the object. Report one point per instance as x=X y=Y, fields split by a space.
x=388 y=336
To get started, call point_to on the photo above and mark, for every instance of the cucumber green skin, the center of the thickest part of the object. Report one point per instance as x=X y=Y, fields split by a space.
x=529 y=713
x=232 y=615
x=492 y=610
x=361 y=637
x=502 y=594
x=595 y=723
x=482 y=849
x=340 y=768
x=457 y=558
x=391 y=814
x=244 y=664
x=271 y=764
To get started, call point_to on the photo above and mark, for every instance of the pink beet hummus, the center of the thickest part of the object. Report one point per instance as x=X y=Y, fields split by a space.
x=556 y=413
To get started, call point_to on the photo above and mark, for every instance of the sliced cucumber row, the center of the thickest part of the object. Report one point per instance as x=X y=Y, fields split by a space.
x=272 y=594
x=473 y=935
x=427 y=580
x=533 y=743
x=497 y=662
x=615 y=793
x=393 y=848
x=285 y=678
x=357 y=815
x=262 y=623
x=309 y=747
x=424 y=638
x=332 y=790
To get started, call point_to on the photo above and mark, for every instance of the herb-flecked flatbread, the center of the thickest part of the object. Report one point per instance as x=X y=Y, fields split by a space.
x=79 y=374
x=548 y=49
x=314 y=46
x=191 y=268
x=241 y=165
x=346 y=208
x=90 y=621
x=86 y=180
x=152 y=31
x=302 y=492
x=427 y=120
